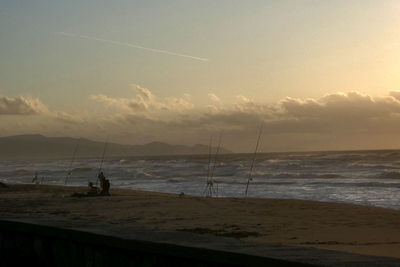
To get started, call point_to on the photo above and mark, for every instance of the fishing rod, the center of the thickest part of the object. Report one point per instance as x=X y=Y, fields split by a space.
x=72 y=161
x=249 y=178
x=211 y=182
x=209 y=165
x=209 y=158
x=216 y=155
x=102 y=158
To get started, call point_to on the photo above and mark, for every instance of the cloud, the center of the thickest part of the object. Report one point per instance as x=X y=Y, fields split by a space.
x=341 y=106
x=334 y=121
x=64 y=117
x=146 y=102
x=21 y=106
x=395 y=94
x=243 y=98
x=214 y=98
x=290 y=124
x=107 y=100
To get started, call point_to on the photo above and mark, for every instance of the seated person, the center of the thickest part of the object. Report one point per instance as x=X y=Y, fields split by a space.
x=105 y=188
x=104 y=184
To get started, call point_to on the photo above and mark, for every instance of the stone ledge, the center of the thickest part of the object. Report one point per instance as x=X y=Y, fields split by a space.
x=78 y=243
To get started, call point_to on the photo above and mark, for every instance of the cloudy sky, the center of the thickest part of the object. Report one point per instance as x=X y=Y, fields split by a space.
x=321 y=75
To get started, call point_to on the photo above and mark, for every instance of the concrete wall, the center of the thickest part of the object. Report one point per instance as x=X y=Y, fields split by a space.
x=27 y=244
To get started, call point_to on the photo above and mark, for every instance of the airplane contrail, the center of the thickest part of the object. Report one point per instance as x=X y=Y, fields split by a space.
x=131 y=45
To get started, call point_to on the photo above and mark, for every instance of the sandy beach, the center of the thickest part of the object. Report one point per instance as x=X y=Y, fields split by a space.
x=333 y=226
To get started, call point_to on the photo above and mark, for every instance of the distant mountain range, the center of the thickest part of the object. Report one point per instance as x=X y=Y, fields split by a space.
x=41 y=147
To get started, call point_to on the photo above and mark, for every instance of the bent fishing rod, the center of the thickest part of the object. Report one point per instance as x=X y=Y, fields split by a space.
x=72 y=161
x=102 y=158
x=249 y=178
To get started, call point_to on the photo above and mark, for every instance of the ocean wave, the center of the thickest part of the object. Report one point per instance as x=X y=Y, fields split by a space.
x=348 y=175
x=17 y=172
x=255 y=182
x=176 y=180
x=390 y=175
x=329 y=175
x=22 y=172
x=142 y=174
x=362 y=185
x=288 y=175
x=82 y=169
x=394 y=155
x=373 y=165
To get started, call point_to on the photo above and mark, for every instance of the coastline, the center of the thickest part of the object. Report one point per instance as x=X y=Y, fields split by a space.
x=333 y=226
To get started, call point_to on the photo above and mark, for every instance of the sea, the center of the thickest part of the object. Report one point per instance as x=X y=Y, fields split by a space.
x=357 y=177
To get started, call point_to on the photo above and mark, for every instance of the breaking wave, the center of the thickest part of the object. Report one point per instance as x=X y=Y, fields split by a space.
x=372 y=177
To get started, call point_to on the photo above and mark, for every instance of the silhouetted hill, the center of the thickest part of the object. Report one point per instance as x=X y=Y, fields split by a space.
x=39 y=146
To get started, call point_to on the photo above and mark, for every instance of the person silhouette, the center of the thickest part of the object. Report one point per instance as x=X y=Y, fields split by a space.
x=104 y=184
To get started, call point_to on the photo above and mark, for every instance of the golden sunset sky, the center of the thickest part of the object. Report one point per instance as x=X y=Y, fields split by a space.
x=322 y=75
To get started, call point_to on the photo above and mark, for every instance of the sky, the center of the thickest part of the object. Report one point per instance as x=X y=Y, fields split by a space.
x=319 y=75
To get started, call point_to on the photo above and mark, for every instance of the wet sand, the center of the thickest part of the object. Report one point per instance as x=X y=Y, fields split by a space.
x=333 y=226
